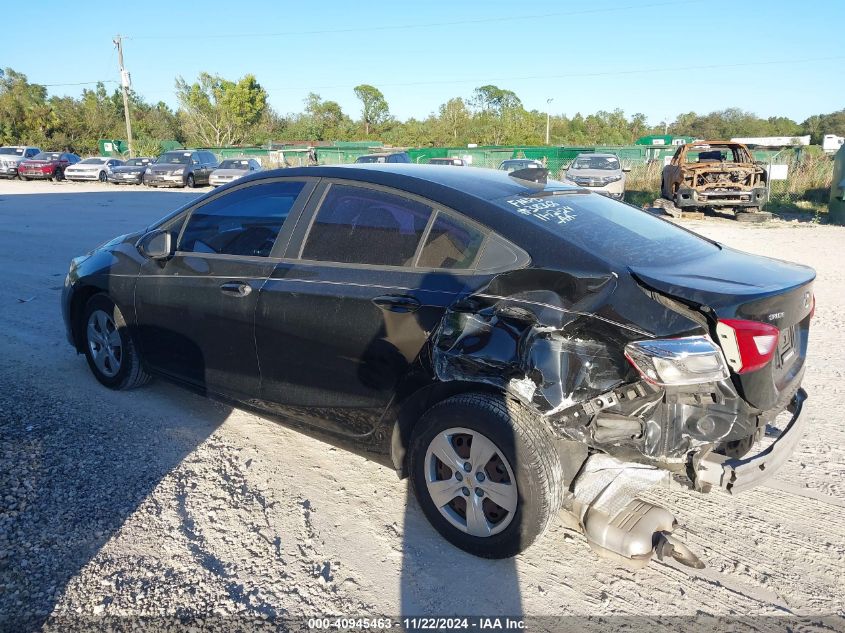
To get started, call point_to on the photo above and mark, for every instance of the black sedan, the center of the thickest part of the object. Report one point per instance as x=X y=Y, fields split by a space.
x=508 y=343
x=131 y=172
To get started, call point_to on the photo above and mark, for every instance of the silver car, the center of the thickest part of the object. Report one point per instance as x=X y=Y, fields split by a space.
x=12 y=155
x=232 y=169
x=602 y=173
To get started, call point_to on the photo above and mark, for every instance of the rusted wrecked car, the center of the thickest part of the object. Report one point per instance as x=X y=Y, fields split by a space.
x=714 y=174
x=514 y=346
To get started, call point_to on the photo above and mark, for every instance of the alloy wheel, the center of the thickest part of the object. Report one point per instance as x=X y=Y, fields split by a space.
x=104 y=343
x=470 y=481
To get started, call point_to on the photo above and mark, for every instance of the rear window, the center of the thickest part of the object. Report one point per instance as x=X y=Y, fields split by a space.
x=451 y=243
x=611 y=230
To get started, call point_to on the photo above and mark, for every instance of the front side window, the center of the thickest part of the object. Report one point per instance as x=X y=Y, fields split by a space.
x=243 y=222
x=358 y=225
x=451 y=243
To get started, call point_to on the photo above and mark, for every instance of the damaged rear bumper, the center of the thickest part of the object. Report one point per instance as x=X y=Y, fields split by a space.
x=735 y=475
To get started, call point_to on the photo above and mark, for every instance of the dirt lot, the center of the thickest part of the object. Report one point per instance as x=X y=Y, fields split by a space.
x=159 y=502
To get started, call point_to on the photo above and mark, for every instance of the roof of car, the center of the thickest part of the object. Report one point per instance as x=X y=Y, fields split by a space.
x=384 y=153
x=438 y=182
x=601 y=154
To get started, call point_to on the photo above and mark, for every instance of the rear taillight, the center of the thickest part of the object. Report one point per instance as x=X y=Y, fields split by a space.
x=748 y=345
x=678 y=361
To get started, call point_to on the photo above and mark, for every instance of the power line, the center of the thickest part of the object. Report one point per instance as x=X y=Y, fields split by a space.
x=609 y=73
x=398 y=27
x=80 y=83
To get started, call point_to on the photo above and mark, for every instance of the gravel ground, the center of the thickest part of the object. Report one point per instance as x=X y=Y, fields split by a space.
x=163 y=504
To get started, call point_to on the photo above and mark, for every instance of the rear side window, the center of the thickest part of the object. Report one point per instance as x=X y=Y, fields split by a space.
x=243 y=222
x=451 y=243
x=358 y=225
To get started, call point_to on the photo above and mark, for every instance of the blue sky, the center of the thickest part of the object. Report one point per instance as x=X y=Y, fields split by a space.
x=772 y=57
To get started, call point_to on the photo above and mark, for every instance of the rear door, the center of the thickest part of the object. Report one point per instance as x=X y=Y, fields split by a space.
x=345 y=315
x=196 y=311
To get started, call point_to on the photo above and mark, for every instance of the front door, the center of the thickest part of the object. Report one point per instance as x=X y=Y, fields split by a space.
x=196 y=311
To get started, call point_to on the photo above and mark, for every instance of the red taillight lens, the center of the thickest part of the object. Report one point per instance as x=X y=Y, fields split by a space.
x=748 y=345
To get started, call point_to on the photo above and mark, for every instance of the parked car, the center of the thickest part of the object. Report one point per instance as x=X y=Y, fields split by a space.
x=515 y=164
x=181 y=168
x=384 y=157
x=95 y=168
x=47 y=165
x=450 y=160
x=511 y=346
x=602 y=173
x=714 y=174
x=232 y=169
x=12 y=155
x=131 y=172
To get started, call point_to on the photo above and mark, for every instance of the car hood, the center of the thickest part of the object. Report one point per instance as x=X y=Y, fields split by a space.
x=230 y=172
x=162 y=167
x=129 y=169
x=87 y=167
x=38 y=163
x=12 y=158
x=592 y=173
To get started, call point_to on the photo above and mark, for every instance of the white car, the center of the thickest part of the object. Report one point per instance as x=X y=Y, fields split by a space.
x=232 y=169
x=96 y=168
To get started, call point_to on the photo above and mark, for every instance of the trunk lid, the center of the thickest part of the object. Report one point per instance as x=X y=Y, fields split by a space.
x=731 y=284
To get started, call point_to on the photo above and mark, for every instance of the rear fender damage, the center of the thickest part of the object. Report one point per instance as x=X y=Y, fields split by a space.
x=564 y=359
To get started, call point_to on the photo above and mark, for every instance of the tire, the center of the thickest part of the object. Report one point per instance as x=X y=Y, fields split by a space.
x=57 y=175
x=102 y=176
x=24 y=178
x=103 y=327
x=190 y=182
x=522 y=454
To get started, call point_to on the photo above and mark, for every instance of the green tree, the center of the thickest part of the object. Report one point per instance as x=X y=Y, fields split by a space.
x=374 y=110
x=215 y=111
x=24 y=114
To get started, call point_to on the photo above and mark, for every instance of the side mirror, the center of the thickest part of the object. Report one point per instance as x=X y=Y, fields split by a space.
x=156 y=244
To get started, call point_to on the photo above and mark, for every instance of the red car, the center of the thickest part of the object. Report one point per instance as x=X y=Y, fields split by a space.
x=50 y=165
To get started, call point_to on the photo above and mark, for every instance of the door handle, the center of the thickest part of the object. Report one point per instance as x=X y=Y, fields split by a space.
x=237 y=288
x=397 y=303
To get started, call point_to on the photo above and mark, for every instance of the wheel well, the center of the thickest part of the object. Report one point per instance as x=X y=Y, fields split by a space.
x=80 y=297
x=413 y=408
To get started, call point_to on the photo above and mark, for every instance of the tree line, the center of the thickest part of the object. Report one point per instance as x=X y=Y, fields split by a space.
x=214 y=111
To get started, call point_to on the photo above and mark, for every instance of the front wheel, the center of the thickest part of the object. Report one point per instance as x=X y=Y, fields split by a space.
x=57 y=175
x=110 y=349
x=486 y=474
x=190 y=181
x=102 y=176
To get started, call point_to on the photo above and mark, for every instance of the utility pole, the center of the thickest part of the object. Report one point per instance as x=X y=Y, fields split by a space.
x=548 y=119
x=124 y=82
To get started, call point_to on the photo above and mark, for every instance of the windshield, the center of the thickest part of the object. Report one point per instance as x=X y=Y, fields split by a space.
x=178 y=158
x=370 y=159
x=234 y=164
x=712 y=154
x=92 y=161
x=48 y=156
x=609 y=163
x=614 y=231
x=513 y=165
x=14 y=151
x=137 y=162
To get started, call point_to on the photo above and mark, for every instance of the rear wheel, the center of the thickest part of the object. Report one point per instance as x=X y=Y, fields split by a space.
x=102 y=176
x=57 y=175
x=110 y=350
x=486 y=474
